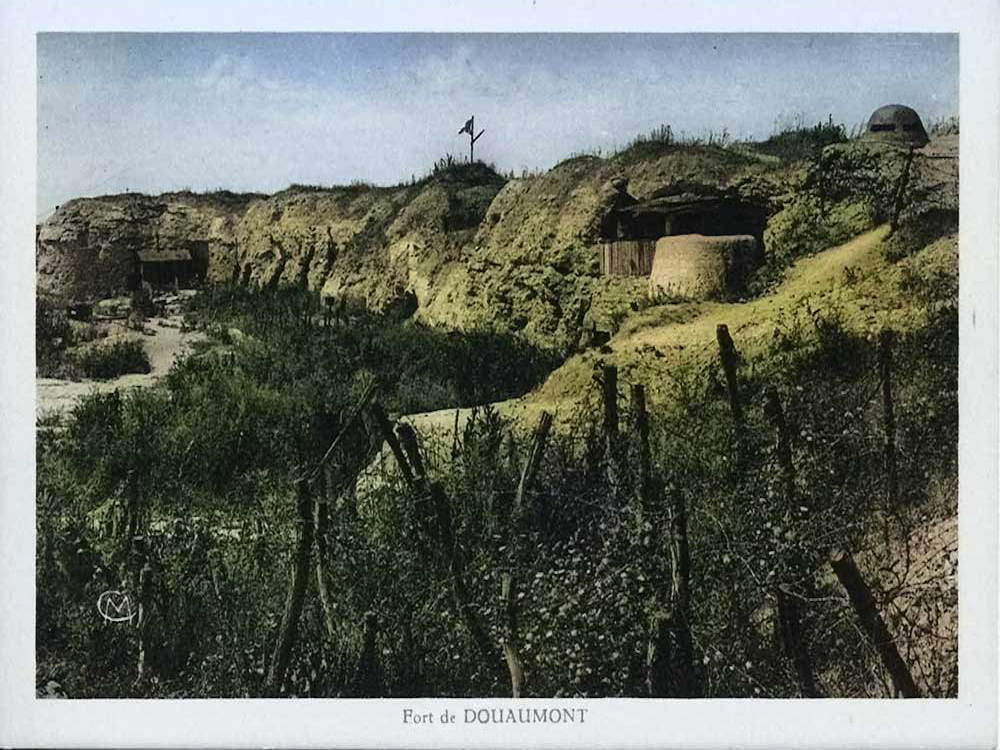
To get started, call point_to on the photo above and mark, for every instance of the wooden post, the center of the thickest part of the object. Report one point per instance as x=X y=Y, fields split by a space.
x=874 y=626
x=897 y=206
x=404 y=447
x=793 y=643
x=730 y=359
x=368 y=673
x=296 y=592
x=305 y=520
x=532 y=463
x=888 y=416
x=680 y=605
x=669 y=650
x=456 y=569
x=644 y=488
x=776 y=415
x=511 y=651
x=321 y=519
x=609 y=396
x=508 y=597
x=422 y=491
x=385 y=428
x=789 y=624
x=658 y=672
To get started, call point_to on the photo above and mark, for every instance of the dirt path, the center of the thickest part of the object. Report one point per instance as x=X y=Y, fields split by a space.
x=166 y=343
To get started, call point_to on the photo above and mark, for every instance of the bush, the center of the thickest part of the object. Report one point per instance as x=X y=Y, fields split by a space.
x=798 y=142
x=53 y=335
x=107 y=361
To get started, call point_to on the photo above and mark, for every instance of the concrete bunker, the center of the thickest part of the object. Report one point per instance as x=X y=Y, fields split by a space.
x=896 y=123
x=633 y=231
x=696 y=266
x=165 y=267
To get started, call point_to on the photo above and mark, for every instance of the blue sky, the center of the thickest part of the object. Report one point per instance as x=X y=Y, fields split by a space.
x=157 y=112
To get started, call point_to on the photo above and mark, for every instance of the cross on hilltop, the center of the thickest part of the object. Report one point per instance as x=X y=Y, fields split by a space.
x=469 y=127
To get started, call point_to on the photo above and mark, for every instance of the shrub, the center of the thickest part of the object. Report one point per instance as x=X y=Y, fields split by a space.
x=53 y=335
x=107 y=361
x=798 y=142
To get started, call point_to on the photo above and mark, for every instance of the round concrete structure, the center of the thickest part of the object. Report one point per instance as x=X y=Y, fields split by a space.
x=896 y=123
x=695 y=266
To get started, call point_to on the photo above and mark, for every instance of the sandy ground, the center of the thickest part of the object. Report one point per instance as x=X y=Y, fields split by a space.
x=164 y=344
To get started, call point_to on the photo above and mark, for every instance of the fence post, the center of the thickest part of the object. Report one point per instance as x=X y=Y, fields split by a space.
x=296 y=592
x=463 y=599
x=897 y=206
x=368 y=672
x=644 y=483
x=508 y=597
x=680 y=605
x=431 y=499
x=776 y=415
x=874 y=626
x=885 y=373
x=609 y=396
x=730 y=359
x=793 y=642
x=321 y=520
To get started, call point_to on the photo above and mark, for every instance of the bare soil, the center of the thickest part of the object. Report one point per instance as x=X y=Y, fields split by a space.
x=164 y=342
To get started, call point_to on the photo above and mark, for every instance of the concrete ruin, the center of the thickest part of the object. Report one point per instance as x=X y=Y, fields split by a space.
x=166 y=266
x=898 y=124
x=705 y=222
x=695 y=266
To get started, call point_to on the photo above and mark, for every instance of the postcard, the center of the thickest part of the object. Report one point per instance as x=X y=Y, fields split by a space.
x=548 y=375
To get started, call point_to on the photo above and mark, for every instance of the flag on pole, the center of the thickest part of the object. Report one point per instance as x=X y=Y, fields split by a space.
x=467 y=128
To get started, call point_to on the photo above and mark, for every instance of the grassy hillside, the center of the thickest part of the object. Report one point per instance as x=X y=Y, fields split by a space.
x=324 y=500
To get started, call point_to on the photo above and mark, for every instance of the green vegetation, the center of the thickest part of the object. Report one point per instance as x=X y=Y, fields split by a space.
x=71 y=349
x=798 y=142
x=422 y=369
x=204 y=467
x=194 y=495
x=106 y=361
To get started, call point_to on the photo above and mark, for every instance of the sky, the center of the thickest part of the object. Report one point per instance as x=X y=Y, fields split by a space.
x=257 y=112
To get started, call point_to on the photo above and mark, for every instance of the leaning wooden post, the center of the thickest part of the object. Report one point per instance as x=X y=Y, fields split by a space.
x=422 y=491
x=776 y=415
x=456 y=570
x=367 y=672
x=508 y=597
x=609 y=396
x=644 y=484
x=730 y=359
x=885 y=373
x=792 y=640
x=431 y=499
x=897 y=206
x=296 y=592
x=874 y=626
x=680 y=556
x=305 y=520
x=321 y=520
x=385 y=428
x=669 y=650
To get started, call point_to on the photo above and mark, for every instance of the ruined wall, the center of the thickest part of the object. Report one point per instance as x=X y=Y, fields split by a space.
x=87 y=249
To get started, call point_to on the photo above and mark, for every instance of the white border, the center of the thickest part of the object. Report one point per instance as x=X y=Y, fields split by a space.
x=969 y=721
